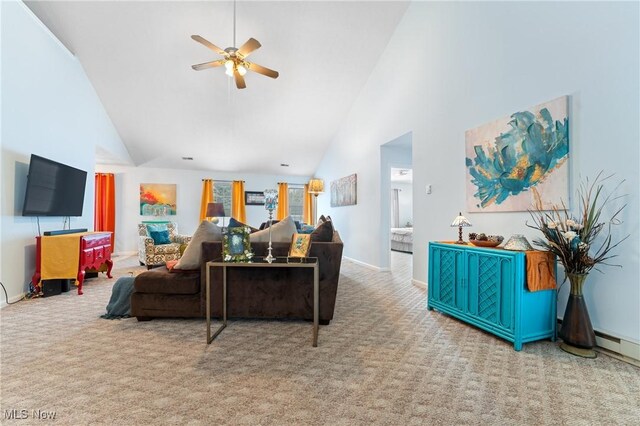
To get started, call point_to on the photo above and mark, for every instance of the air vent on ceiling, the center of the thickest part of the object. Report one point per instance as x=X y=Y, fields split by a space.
x=187 y=158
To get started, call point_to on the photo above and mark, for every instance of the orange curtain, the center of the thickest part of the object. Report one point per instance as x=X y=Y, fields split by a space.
x=307 y=206
x=283 y=201
x=207 y=197
x=104 y=212
x=238 y=209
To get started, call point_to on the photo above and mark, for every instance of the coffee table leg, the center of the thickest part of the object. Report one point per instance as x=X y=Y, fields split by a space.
x=316 y=303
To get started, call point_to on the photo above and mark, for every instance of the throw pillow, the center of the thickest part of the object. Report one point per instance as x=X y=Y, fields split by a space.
x=323 y=233
x=156 y=227
x=160 y=237
x=265 y=225
x=233 y=223
x=206 y=231
x=281 y=232
x=306 y=229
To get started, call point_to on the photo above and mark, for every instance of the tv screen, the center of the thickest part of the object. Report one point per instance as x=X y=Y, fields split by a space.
x=53 y=189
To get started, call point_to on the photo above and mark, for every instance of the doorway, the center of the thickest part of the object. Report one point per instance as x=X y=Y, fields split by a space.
x=396 y=200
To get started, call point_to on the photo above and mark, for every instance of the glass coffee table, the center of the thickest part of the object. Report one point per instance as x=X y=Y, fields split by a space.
x=260 y=262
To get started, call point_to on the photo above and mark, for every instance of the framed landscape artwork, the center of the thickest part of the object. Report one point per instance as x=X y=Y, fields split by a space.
x=157 y=199
x=344 y=191
x=511 y=155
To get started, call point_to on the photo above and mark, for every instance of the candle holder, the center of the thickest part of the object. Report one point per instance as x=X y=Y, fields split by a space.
x=270 y=202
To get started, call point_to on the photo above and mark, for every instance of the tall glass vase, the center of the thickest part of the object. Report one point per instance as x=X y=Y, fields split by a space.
x=576 y=331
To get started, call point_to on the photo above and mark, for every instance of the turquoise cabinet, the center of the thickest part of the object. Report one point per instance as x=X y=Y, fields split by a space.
x=487 y=288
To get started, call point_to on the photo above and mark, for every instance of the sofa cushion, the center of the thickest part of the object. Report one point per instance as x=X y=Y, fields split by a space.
x=206 y=231
x=163 y=282
x=160 y=237
x=323 y=233
x=280 y=232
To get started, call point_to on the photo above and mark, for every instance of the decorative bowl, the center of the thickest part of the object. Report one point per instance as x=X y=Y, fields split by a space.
x=486 y=243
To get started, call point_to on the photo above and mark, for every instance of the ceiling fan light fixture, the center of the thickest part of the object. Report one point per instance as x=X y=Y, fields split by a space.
x=228 y=64
x=229 y=72
x=242 y=70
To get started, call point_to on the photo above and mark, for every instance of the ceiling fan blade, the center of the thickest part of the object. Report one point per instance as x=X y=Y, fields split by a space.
x=240 y=84
x=263 y=70
x=206 y=65
x=209 y=45
x=250 y=45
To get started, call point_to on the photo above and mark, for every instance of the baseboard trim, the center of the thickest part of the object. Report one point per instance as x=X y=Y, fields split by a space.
x=621 y=347
x=366 y=265
x=419 y=284
x=13 y=299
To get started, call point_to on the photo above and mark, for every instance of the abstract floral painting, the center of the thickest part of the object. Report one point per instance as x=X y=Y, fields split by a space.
x=344 y=191
x=509 y=156
x=157 y=199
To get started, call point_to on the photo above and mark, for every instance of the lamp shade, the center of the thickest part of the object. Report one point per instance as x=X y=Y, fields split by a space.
x=460 y=221
x=215 y=210
x=316 y=186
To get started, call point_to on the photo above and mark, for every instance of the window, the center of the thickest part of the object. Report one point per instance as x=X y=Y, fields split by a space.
x=296 y=200
x=222 y=194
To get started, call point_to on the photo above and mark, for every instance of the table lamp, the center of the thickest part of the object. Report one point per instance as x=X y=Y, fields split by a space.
x=216 y=210
x=460 y=221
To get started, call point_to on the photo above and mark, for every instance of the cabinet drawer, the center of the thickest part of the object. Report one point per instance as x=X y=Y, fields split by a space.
x=90 y=241
x=98 y=254
x=87 y=257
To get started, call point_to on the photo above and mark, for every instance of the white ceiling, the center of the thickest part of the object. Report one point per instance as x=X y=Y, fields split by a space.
x=138 y=56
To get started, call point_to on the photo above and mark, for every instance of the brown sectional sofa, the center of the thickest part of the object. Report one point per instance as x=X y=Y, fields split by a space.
x=252 y=292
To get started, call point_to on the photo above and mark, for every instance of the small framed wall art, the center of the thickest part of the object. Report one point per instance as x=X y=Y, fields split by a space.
x=254 y=198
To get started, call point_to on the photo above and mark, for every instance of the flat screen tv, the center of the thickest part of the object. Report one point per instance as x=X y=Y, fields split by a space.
x=53 y=189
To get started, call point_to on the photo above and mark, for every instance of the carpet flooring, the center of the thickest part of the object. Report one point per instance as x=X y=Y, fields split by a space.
x=384 y=359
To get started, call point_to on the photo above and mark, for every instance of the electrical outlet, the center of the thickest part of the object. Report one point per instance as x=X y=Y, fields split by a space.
x=429 y=189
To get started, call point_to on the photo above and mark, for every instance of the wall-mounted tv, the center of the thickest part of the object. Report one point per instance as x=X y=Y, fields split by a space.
x=53 y=189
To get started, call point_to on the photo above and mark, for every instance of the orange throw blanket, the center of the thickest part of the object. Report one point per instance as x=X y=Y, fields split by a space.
x=540 y=270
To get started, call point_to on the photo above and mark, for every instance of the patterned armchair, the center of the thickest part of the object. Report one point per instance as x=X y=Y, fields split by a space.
x=155 y=255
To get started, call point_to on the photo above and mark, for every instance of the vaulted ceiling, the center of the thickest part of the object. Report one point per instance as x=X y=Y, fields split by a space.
x=138 y=56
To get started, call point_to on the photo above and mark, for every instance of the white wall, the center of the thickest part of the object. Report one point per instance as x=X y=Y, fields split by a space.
x=189 y=192
x=453 y=66
x=49 y=109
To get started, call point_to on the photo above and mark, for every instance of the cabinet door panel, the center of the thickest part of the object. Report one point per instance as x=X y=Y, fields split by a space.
x=446 y=279
x=507 y=295
x=491 y=288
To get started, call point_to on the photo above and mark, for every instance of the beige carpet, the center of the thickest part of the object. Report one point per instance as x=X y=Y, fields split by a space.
x=383 y=360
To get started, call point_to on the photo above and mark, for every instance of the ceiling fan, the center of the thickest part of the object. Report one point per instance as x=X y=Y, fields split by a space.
x=234 y=59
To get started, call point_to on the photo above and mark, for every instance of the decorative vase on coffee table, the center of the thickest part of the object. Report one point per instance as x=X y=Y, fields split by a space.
x=576 y=331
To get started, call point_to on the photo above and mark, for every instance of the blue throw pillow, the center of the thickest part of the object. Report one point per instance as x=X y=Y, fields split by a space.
x=160 y=237
x=156 y=227
x=306 y=229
